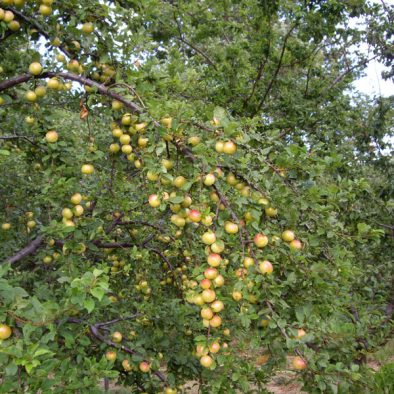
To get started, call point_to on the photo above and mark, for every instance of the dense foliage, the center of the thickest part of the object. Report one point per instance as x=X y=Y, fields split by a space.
x=192 y=191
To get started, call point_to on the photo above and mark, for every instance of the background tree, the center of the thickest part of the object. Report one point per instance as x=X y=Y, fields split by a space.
x=192 y=191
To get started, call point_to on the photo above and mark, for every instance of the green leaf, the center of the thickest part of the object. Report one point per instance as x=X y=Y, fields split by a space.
x=97 y=292
x=89 y=305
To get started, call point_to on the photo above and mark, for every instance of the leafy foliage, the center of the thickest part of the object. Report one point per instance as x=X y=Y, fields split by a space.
x=159 y=96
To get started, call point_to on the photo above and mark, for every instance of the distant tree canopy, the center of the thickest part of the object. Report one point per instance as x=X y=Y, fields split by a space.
x=193 y=191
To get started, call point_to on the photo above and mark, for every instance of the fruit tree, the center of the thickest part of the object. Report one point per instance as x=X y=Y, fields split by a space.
x=192 y=192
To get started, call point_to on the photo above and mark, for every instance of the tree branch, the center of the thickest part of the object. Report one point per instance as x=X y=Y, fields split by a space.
x=26 y=251
x=94 y=329
x=199 y=51
x=102 y=89
x=260 y=69
x=273 y=79
x=38 y=27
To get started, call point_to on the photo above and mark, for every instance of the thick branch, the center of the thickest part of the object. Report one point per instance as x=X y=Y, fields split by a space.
x=102 y=89
x=26 y=251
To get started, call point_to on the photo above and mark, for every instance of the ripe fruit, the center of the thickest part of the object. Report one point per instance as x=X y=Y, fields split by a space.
x=154 y=201
x=144 y=366
x=198 y=300
x=266 y=267
x=78 y=210
x=167 y=164
x=187 y=201
x=53 y=83
x=260 y=240
x=219 y=146
x=68 y=223
x=76 y=198
x=117 y=133
x=6 y=226
x=209 y=179
x=40 y=91
x=56 y=43
x=206 y=313
x=51 y=136
x=30 y=96
x=8 y=16
x=152 y=176
x=218 y=246
x=218 y=281
x=231 y=179
x=194 y=140
x=5 y=331
x=179 y=181
x=300 y=333
x=67 y=213
x=117 y=105
x=295 y=244
x=206 y=361
x=205 y=283
x=35 y=68
x=31 y=224
x=214 y=347
x=214 y=197
x=142 y=142
x=140 y=126
x=167 y=122
x=230 y=228
x=208 y=238
x=229 y=148
x=125 y=139
x=288 y=236
x=299 y=363
x=214 y=260
x=178 y=221
x=126 y=120
x=117 y=337
x=126 y=365
x=110 y=355
x=194 y=215
x=216 y=321
x=217 y=306
x=29 y=120
x=248 y=262
x=47 y=260
x=87 y=28
x=208 y=295
x=271 y=212
x=211 y=273
x=87 y=169
x=127 y=149
x=45 y=10
x=207 y=220
x=237 y=295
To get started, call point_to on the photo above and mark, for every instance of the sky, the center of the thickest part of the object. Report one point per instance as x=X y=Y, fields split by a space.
x=372 y=83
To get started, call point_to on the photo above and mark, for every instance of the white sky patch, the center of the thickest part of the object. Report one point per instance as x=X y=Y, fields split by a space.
x=372 y=83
